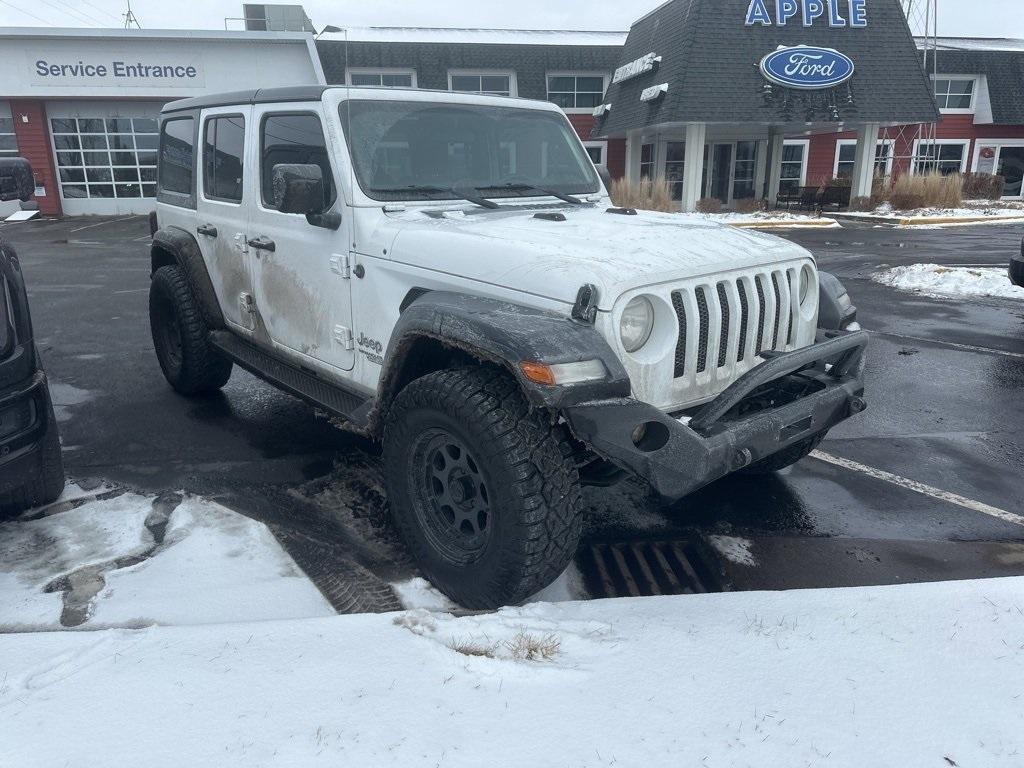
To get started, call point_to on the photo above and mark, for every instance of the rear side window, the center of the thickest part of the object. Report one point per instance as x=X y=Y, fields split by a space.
x=292 y=138
x=223 y=158
x=177 y=155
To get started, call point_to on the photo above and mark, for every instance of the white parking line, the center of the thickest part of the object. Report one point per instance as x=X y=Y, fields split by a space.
x=926 y=490
x=955 y=345
x=102 y=223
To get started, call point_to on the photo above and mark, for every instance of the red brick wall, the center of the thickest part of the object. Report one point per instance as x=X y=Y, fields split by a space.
x=615 y=157
x=34 y=146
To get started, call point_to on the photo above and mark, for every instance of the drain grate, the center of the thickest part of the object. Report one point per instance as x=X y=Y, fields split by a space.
x=645 y=568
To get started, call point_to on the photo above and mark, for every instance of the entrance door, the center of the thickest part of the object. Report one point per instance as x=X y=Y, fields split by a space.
x=301 y=280
x=222 y=214
x=1011 y=168
x=720 y=182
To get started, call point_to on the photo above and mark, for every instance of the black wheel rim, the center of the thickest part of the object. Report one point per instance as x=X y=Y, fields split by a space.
x=169 y=335
x=451 y=498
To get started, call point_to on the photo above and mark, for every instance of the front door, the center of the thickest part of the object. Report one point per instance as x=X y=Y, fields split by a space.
x=221 y=210
x=1011 y=168
x=301 y=276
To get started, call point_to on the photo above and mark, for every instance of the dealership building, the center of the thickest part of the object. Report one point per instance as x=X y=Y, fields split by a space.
x=726 y=99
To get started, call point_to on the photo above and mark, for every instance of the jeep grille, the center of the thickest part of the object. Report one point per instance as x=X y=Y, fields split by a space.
x=765 y=323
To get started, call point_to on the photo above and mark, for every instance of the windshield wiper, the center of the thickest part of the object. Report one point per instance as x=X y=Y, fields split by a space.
x=534 y=188
x=426 y=189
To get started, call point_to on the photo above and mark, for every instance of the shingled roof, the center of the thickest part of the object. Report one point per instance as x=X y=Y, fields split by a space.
x=709 y=59
x=1004 y=70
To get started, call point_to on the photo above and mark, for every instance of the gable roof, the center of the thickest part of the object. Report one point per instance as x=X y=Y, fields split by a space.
x=709 y=58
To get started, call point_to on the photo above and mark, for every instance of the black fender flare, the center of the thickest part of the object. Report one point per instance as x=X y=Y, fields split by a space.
x=505 y=334
x=173 y=245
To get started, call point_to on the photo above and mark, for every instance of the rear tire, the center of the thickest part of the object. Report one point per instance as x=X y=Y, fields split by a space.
x=785 y=458
x=46 y=482
x=191 y=365
x=483 y=489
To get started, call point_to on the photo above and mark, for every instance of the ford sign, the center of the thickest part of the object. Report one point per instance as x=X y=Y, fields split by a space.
x=807 y=67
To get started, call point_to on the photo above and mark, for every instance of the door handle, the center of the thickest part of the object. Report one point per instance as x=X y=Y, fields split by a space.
x=262 y=244
x=207 y=229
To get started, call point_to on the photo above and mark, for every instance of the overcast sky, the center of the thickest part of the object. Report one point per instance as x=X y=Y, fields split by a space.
x=974 y=18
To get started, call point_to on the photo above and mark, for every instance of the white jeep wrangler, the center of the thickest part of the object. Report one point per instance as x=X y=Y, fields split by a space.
x=448 y=274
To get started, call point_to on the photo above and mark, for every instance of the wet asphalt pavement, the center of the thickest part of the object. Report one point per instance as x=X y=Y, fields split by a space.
x=946 y=410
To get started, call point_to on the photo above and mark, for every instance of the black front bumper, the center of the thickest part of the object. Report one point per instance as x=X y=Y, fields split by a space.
x=678 y=457
x=25 y=415
x=1017 y=269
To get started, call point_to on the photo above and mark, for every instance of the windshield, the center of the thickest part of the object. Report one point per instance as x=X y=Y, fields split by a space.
x=409 y=150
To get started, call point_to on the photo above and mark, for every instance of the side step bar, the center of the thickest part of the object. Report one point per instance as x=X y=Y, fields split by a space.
x=298 y=381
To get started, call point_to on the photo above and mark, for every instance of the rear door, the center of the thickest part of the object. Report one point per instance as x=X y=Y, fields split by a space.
x=222 y=210
x=301 y=274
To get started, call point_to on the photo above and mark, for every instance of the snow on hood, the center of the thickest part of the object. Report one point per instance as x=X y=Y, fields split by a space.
x=515 y=250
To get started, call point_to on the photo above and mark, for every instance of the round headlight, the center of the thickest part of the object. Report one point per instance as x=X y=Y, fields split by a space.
x=806 y=282
x=637 y=323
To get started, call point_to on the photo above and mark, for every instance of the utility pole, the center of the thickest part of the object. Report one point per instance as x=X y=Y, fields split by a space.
x=129 y=18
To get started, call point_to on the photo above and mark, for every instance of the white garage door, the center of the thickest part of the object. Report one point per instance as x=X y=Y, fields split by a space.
x=8 y=148
x=105 y=155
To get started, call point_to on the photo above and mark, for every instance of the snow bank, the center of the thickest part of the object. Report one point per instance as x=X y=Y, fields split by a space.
x=945 y=282
x=924 y=675
x=134 y=560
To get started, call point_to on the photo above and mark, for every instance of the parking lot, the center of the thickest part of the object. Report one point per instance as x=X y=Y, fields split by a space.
x=925 y=485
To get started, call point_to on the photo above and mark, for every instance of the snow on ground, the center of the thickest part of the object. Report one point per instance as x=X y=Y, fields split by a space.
x=945 y=282
x=420 y=593
x=734 y=549
x=133 y=560
x=913 y=675
x=971 y=210
x=778 y=217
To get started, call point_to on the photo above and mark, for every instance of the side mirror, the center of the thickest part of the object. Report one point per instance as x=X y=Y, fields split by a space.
x=299 y=189
x=606 y=177
x=16 y=180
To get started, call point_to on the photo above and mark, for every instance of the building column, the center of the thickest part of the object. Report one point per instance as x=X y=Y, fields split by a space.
x=760 y=168
x=776 y=139
x=33 y=135
x=634 y=140
x=864 y=161
x=693 y=168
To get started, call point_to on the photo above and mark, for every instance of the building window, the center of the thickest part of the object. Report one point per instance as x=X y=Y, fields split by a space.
x=675 y=164
x=582 y=92
x=292 y=138
x=489 y=83
x=108 y=157
x=744 y=169
x=382 y=78
x=177 y=148
x=597 y=151
x=945 y=157
x=223 y=158
x=646 y=162
x=794 y=165
x=955 y=94
x=8 y=141
x=846 y=158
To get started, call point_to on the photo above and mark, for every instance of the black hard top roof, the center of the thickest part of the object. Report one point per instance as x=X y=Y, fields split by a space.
x=257 y=96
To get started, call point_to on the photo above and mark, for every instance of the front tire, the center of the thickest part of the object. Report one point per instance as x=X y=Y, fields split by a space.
x=191 y=365
x=483 y=489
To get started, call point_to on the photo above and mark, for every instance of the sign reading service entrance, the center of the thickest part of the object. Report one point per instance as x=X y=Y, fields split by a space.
x=807 y=67
x=158 y=71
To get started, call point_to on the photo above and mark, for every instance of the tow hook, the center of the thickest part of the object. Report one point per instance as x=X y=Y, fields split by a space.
x=741 y=458
x=857 y=405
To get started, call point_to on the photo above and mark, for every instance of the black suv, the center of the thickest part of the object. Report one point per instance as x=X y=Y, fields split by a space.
x=31 y=470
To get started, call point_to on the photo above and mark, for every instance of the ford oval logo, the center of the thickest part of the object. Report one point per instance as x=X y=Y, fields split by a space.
x=804 y=66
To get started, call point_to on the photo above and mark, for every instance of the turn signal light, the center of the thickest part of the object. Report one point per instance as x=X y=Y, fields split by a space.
x=563 y=373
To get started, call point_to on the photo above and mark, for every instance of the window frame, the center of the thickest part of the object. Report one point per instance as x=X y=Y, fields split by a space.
x=7 y=113
x=806 y=144
x=964 y=158
x=259 y=148
x=840 y=143
x=973 y=79
x=202 y=133
x=171 y=197
x=380 y=71
x=605 y=77
x=513 y=85
x=603 y=146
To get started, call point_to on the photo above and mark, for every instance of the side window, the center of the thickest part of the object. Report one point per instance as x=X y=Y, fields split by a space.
x=292 y=138
x=177 y=155
x=224 y=158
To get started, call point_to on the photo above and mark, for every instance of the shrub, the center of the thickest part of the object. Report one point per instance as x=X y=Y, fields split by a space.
x=645 y=195
x=751 y=205
x=983 y=186
x=709 y=205
x=927 y=190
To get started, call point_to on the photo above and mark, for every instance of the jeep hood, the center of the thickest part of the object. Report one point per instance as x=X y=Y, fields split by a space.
x=515 y=249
